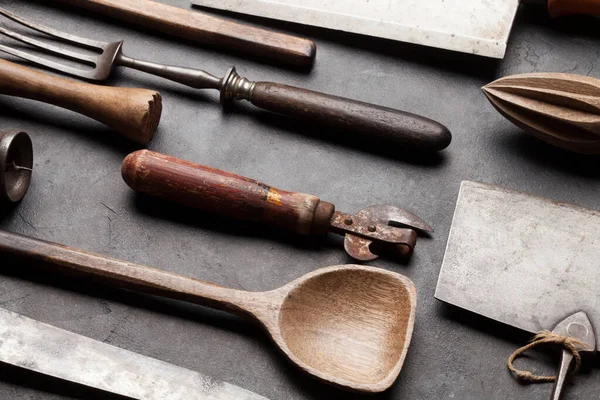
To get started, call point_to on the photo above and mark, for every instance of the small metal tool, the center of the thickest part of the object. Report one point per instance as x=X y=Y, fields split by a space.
x=577 y=326
x=16 y=163
x=524 y=261
x=382 y=125
x=242 y=198
x=51 y=351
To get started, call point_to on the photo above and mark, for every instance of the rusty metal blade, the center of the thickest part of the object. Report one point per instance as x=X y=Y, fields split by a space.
x=359 y=248
x=392 y=215
x=522 y=260
x=51 y=351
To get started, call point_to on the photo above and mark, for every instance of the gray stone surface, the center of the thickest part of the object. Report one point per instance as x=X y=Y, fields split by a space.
x=78 y=198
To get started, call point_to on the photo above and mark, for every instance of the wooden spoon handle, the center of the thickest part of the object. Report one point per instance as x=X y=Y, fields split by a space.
x=558 y=8
x=204 y=28
x=135 y=113
x=69 y=261
x=224 y=193
x=376 y=125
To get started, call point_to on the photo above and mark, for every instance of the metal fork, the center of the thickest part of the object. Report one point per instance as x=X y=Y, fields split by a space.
x=384 y=125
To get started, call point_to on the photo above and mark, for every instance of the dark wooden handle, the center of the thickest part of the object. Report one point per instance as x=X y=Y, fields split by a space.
x=224 y=193
x=204 y=28
x=378 y=125
x=558 y=8
x=58 y=258
x=135 y=113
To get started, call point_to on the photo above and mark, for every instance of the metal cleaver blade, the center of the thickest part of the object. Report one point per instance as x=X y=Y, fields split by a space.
x=468 y=26
x=522 y=260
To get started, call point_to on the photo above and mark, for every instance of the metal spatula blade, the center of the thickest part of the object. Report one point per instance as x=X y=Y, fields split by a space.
x=469 y=26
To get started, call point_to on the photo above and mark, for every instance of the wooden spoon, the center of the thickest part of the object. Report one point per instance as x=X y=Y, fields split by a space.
x=348 y=325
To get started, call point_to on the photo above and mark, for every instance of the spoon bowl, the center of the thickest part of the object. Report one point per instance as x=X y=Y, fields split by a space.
x=348 y=325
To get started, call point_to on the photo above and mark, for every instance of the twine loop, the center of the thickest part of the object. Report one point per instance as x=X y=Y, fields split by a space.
x=546 y=337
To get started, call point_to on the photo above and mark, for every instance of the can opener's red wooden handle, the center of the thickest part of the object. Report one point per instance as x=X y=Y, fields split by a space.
x=557 y=8
x=224 y=193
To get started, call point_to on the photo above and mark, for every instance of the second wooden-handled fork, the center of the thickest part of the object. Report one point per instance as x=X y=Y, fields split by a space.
x=374 y=124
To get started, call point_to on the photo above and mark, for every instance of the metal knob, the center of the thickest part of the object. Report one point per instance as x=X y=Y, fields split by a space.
x=16 y=163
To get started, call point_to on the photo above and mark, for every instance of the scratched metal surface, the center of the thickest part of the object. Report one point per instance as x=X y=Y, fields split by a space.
x=78 y=198
x=469 y=26
x=61 y=354
x=521 y=260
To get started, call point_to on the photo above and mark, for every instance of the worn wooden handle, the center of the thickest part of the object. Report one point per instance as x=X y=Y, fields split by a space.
x=224 y=193
x=558 y=8
x=69 y=261
x=204 y=28
x=378 y=125
x=135 y=113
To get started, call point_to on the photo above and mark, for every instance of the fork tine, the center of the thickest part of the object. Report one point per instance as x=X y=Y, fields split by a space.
x=94 y=44
x=51 y=48
x=48 y=63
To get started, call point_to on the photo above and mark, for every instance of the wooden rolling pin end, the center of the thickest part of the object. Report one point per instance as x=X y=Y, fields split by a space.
x=139 y=116
x=134 y=113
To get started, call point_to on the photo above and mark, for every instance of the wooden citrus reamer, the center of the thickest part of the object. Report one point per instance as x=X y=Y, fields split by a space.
x=561 y=109
x=348 y=325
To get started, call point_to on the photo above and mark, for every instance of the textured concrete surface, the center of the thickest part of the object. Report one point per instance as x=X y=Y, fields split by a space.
x=78 y=198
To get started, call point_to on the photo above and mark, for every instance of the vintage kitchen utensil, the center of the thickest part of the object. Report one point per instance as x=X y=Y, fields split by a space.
x=50 y=351
x=16 y=163
x=134 y=113
x=203 y=28
x=579 y=327
x=349 y=326
x=381 y=125
x=224 y=193
x=469 y=26
x=561 y=109
x=525 y=261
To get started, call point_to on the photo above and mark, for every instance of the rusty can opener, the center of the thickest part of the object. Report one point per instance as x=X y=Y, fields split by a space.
x=368 y=233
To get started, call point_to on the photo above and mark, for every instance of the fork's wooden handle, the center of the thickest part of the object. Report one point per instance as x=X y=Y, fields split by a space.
x=558 y=8
x=224 y=193
x=204 y=28
x=135 y=113
x=374 y=124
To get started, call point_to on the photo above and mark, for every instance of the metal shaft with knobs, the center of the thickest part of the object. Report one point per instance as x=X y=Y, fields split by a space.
x=375 y=125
